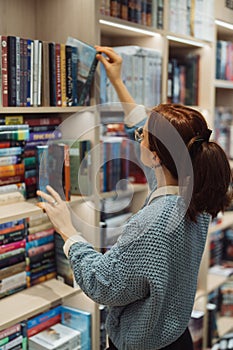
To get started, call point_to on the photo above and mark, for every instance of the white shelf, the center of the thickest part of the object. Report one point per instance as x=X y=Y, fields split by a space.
x=33 y=110
x=227 y=221
x=215 y=281
x=223 y=84
x=33 y=300
x=21 y=210
x=225 y=325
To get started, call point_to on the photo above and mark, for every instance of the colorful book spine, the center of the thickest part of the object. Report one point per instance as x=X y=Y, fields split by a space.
x=4 y=61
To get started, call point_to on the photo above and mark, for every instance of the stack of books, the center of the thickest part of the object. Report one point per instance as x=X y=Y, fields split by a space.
x=13 y=135
x=40 y=250
x=12 y=257
x=14 y=337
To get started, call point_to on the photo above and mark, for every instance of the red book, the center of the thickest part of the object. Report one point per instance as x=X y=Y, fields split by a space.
x=43 y=121
x=12 y=246
x=58 y=73
x=4 y=71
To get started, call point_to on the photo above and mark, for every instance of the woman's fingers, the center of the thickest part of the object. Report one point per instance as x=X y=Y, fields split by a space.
x=55 y=194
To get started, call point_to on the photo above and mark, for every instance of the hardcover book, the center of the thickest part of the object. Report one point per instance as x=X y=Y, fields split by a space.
x=87 y=64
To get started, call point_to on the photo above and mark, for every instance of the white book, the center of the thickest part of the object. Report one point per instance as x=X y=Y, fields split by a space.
x=32 y=74
x=35 y=72
x=57 y=337
x=13 y=282
x=39 y=82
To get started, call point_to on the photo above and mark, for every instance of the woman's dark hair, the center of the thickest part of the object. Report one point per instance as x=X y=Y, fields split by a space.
x=212 y=178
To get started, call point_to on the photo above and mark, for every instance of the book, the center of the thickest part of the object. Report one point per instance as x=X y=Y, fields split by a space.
x=12 y=246
x=58 y=74
x=45 y=74
x=12 y=270
x=57 y=337
x=40 y=319
x=52 y=74
x=11 y=63
x=79 y=320
x=4 y=68
x=12 y=170
x=55 y=169
x=87 y=64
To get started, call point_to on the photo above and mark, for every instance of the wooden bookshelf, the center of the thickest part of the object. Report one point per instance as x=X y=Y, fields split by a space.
x=24 y=209
x=225 y=325
x=34 y=300
x=214 y=282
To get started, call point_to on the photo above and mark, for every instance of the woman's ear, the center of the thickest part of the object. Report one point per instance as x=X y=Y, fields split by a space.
x=155 y=161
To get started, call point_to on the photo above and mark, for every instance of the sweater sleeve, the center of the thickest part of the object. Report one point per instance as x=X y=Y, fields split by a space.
x=107 y=278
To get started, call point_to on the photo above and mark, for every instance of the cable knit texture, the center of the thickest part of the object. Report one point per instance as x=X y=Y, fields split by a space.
x=148 y=279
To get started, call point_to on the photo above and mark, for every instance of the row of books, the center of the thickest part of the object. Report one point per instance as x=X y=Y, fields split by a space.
x=141 y=73
x=35 y=72
x=223 y=129
x=145 y=12
x=61 y=327
x=221 y=247
x=183 y=77
x=27 y=254
x=195 y=18
x=224 y=61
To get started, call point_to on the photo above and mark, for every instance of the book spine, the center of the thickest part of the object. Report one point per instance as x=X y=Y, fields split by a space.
x=35 y=72
x=10 y=161
x=5 y=248
x=13 y=187
x=40 y=241
x=68 y=75
x=13 y=281
x=58 y=74
x=52 y=74
x=11 y=70
x=63 y=74
x=43 y=121
x=39 y=81
x=67 y=172
x=31 y=94
x=18 y=62
x=12 y=270
x=10 y=330
x=40 y=234
x=45 y=316
x=13 y=228
x=74 y=73
x=4 y=62
x=42 y=279
x=12 y=151
x=45 y=135
x=11 y=260
x=12 y=237
x=38 y=250
x=33 y=260
x=12 y=197
x=45 y=74
x=7 y=180
x=86 y=89
x=25 y=73
x=12 y=170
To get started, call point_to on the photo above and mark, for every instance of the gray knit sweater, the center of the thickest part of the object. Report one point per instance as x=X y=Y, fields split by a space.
x=148 y=279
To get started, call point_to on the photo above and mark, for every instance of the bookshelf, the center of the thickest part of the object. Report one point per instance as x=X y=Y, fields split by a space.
x=55 y=20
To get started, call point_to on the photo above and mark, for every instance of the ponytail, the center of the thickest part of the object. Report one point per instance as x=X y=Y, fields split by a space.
x=212 y=185
x=212 y=179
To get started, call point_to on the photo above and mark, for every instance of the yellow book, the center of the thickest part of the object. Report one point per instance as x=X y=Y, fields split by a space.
x=63 y=74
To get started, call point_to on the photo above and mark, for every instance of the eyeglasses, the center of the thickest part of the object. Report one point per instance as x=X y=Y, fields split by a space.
x=138 y=134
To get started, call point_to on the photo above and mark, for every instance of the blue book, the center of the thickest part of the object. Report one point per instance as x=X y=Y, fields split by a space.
x=87 y=64
x=79 y=320
x=43 y=317
x=40 y=241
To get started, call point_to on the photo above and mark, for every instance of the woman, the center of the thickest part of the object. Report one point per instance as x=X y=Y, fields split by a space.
x=148 y=279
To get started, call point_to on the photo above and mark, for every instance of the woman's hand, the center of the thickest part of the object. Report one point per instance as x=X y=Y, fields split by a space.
x=112 y=63
x=58 y=212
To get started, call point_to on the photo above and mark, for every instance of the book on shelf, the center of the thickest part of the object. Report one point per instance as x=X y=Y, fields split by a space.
x=87 y=64
x=43 y=320
x=64 y=270
x=56 y=337
x=78 y=320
